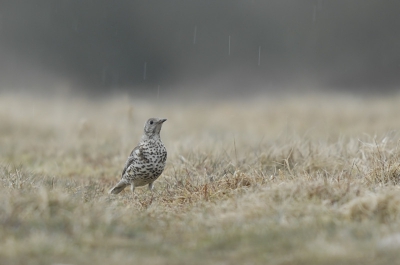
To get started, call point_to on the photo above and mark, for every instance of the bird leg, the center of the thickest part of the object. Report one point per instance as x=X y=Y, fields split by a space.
x=151 y=186
x=132 y=189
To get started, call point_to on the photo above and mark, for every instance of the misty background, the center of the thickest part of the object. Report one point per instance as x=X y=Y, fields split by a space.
x=95 y=46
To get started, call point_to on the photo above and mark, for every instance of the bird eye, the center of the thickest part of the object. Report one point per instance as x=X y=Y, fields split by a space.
x=151 y=122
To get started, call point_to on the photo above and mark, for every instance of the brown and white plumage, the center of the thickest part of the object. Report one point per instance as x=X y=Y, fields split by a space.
x=146 y=162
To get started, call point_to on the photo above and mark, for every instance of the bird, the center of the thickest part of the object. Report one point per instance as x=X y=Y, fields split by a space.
x=147 y=160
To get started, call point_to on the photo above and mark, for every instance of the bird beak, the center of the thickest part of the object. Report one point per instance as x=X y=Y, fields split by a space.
x=162 y=120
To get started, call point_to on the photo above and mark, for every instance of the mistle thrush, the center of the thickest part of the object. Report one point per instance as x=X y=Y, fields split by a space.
x=146 y=161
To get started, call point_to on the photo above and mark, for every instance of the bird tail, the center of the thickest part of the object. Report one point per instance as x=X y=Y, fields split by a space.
x=118 y=188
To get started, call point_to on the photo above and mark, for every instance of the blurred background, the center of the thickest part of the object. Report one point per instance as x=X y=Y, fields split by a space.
x=98 y=47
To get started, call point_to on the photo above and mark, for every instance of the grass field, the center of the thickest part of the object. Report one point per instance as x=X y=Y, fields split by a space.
x=281 y=180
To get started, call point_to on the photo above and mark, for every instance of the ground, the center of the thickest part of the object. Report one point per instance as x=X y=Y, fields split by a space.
x=272 y=180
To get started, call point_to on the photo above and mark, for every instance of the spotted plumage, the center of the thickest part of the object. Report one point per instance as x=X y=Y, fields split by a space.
x=146 y=162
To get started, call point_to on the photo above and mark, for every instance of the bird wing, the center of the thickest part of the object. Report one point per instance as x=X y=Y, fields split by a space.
x=134 y=156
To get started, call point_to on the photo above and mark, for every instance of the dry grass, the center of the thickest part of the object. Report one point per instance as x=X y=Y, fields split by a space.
x=311 y=180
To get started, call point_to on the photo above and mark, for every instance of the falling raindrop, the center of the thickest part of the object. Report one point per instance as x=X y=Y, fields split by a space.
x=259 y=55
x=144 y=70
x=103 y=75
x=314 y=18
x=229 y=45
x=194 y=34
x=158 y=92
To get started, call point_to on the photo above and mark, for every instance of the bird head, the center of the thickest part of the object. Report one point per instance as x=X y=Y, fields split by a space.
x=153 y=127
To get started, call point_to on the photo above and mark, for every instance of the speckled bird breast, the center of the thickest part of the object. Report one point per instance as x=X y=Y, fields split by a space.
x=148 y=164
